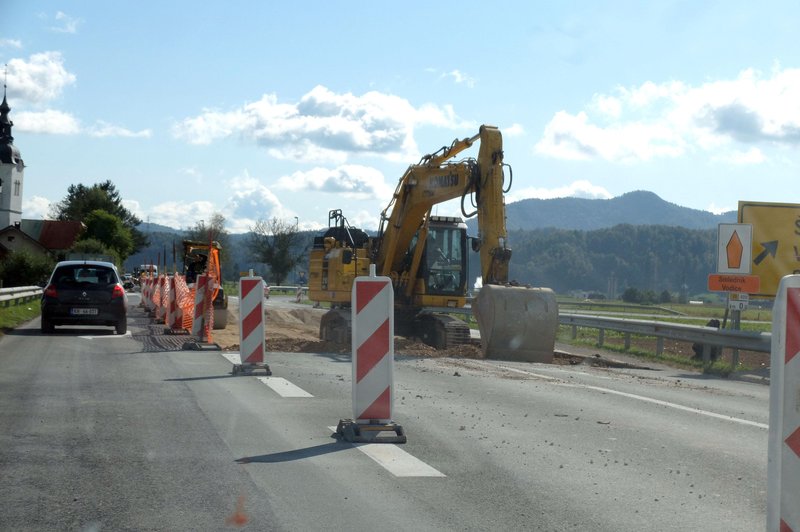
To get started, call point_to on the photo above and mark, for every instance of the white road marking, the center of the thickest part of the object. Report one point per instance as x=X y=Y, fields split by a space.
x=104 y=336
x=233 y=358
x=673 y=405
x=640 y=398
x=395 y=460
x=284 y=388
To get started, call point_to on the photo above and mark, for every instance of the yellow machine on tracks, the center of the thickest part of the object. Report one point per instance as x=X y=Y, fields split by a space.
x=426 y=258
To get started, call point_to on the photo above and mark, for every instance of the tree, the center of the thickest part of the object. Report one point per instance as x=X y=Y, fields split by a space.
x=81 y=200
x=22 y=268
x=109 y=230
x=271 y=242
x=632 y=295
x=94 y=247
x=665 y=297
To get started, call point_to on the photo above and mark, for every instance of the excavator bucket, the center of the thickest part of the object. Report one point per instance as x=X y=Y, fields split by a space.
x=517 y=323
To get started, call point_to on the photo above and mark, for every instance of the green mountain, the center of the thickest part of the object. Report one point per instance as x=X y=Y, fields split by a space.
x=634 y=208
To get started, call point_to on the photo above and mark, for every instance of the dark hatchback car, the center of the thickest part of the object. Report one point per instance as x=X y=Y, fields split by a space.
x=84 y=293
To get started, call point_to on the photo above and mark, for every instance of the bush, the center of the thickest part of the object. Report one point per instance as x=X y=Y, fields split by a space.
x=22 y=268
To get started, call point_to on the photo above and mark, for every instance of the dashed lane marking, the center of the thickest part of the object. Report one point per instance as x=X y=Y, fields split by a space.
x=395 y=460
x=284 y=388
x=279 y=385
x=233 y=358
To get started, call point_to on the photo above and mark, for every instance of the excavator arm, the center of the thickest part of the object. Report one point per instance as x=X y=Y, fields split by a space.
x=517 y=323
x=434 y=181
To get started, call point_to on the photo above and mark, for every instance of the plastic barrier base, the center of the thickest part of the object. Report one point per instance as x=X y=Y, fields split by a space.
x=201 y=346
x=167 y=330
x=373 y=432
x=248 y=369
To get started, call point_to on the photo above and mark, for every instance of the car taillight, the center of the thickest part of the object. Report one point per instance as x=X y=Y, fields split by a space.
x=50 y=291
x=118 y=291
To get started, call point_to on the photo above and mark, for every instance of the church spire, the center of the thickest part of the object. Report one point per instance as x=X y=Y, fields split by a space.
x=8 y=152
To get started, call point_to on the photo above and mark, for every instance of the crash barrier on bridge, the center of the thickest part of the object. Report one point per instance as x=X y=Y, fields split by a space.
x=783 y=467
x=373 y=363
x=251 y=326
x=19 y=294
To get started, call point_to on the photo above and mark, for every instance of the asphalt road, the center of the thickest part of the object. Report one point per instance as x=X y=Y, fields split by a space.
x=99 y=432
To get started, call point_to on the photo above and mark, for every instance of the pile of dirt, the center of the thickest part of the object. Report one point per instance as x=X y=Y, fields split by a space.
x=296 y=330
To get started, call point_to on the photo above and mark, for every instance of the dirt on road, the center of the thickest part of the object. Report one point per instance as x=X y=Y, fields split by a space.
x=296 y=330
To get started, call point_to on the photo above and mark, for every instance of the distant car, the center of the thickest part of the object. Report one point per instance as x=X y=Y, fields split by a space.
x=84 y=293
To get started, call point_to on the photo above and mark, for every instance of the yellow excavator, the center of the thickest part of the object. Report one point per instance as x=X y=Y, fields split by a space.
x=426 y=258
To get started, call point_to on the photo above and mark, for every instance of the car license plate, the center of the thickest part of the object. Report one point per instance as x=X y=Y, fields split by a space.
x=83 y=311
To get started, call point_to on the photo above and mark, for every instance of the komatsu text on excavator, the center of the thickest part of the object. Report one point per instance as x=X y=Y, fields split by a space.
x=426 y=258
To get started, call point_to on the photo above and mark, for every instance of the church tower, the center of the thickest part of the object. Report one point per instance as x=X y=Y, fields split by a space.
x=11 y=171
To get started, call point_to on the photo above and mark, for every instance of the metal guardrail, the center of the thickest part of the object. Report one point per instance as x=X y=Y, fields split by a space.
x=19 y=294
x=708 y=336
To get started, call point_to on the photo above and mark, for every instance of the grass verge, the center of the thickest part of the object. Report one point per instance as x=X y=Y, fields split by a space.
x=718 y=367
x=14 y=315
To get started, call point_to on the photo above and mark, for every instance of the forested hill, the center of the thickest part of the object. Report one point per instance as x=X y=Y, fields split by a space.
x=647 y=257
x=634 y=208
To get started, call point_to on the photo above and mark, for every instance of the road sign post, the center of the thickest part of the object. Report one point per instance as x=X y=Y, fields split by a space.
x=783 y=465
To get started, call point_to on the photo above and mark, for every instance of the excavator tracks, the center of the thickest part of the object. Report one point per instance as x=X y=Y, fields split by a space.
x=437 y=330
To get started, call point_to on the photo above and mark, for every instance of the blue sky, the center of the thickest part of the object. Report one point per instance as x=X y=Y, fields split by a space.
x=265 y=109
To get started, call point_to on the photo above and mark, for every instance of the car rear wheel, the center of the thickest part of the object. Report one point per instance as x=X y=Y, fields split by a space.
x=122 y=326
x=47 y=326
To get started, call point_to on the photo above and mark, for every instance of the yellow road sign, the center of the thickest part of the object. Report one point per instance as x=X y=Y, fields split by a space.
x=776 y=241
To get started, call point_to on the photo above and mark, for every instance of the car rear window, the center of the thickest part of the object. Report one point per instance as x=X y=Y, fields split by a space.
x=84 y=276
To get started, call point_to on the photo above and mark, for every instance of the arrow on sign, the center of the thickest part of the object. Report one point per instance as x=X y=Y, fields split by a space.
x=770 y=248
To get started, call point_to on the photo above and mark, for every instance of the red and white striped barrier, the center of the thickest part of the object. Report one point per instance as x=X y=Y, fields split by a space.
x=373 y=363
x=146 y=293
x=252 y=345
x=199 y=326
x=163 y=298
x=173 y=321
x=783 y=469
x=373 y=349
x=251 y=321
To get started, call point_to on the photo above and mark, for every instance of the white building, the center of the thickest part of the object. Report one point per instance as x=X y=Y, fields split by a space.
x=12 y=170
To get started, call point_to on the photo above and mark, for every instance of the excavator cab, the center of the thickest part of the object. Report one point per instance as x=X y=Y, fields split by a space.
x=444 y=267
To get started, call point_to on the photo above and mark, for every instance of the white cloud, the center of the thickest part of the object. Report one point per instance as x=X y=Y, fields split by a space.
x=251 y=201
x=103 y=129
x=179 y=214
x=720 y=210
x=514 y=130
x=36 y=207
x=352 y=181
x=39 y=79
x=68 y=24
x=49 y=121
x=576 y=189
x=672 y=119
x=10 y=43
x=322 y=125
x=751 y=156
x=135 y=207
x=60 y=123
x=460 y=78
